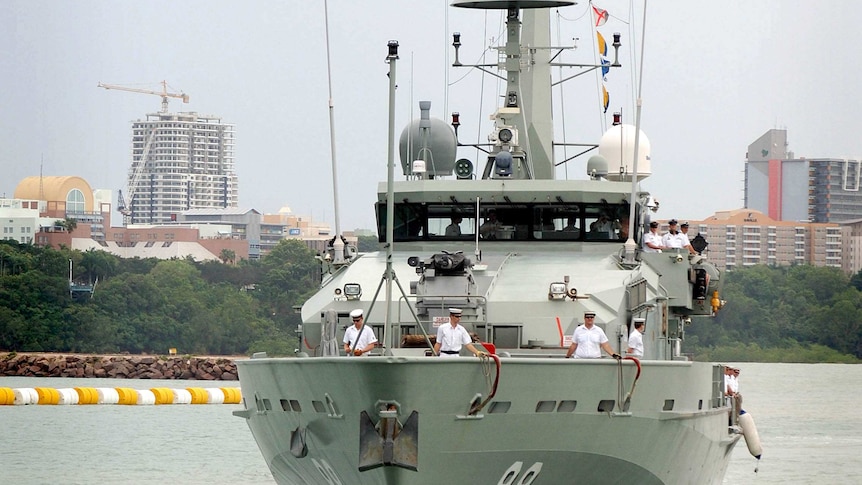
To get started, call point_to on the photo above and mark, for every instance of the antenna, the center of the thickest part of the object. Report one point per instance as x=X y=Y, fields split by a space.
x=339 y=255
x=630 y=245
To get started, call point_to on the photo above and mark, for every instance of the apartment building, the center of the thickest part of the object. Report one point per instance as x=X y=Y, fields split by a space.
x=787 y=188
x=180 y=162
x=747 y=237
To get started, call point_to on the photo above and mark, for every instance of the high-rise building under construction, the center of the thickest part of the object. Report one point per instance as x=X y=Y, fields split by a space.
x=180 y=161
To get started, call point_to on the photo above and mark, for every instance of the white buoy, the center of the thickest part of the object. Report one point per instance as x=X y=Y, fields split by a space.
x=215 y=395
x=25 y=396
x=145 y=396
x=108 y=395
x=67 y=396
x=182 y=396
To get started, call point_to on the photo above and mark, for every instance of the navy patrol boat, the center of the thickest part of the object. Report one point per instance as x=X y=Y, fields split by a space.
x=524 y=255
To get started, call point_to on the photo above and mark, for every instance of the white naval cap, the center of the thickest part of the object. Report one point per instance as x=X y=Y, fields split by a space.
x=356 y=313
x=455 y=311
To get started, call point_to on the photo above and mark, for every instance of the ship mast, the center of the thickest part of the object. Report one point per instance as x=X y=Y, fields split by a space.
x=630 y=244
x=390 y=193
x=338 y=253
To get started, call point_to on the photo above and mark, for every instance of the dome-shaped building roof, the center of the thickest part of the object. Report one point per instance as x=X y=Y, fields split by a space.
x=72 y=190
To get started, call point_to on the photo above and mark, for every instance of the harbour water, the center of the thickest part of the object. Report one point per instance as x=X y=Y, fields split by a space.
x=807 y=415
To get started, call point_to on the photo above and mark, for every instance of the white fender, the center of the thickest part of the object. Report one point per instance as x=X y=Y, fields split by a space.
x=749 y=432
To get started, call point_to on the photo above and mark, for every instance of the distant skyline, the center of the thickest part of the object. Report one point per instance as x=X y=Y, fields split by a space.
x=716 y=77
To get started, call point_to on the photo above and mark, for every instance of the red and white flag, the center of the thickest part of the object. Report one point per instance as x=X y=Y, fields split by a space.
x=601 y=16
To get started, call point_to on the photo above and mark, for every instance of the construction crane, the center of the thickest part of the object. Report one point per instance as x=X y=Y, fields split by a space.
x=163 y=93
x=124 y=204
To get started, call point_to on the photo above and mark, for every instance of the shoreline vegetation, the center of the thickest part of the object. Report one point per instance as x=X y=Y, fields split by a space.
x=794 y=353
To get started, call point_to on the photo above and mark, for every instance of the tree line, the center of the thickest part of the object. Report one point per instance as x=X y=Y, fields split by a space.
x=150 y=305
x=796 y=313
x=786 y=313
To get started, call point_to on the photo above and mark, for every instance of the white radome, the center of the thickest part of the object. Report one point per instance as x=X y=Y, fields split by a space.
x=617 y=146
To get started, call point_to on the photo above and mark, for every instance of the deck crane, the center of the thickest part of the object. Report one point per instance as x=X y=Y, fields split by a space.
x=163 y=93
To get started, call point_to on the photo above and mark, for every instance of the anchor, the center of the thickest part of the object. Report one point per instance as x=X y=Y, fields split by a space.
x=388 y=443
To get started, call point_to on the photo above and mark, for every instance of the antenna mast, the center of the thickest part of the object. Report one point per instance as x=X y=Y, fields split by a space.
x=339 y=255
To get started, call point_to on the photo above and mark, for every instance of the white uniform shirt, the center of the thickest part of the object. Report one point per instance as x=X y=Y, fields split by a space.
x=451 y=339
x=589 y=342
x=636 y=343
x=654 y=238
x=367 y=337
x=734 y=384
x=676 y=241
x=685 y=241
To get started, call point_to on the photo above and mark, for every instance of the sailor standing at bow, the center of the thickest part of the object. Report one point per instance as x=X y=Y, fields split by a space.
x=359 y=339
x=588 y=341
x=451 y=337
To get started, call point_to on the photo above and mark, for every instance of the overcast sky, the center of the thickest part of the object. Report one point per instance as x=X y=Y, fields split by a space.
x=717 y=75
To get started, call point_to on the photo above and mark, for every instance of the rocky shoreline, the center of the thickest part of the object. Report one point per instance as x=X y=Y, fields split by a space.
x=118 y=366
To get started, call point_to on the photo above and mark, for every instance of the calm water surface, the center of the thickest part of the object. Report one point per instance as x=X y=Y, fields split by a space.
x=810 y=424
x=808 y=417
x=194 y=444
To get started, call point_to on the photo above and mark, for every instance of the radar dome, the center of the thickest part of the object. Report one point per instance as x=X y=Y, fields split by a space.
x=597 y=166
x=617 y=146
x=436 y=145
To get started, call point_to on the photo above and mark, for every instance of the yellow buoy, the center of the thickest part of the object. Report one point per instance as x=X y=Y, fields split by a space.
x=87 y=395
x=127 y=395
x=199 y=395
x=48 y=395
x=163 y=395
x=232 y=395
x=7 y=396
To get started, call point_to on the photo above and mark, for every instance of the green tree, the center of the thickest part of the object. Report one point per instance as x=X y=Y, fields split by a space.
x=367 y=244
x=289 y=277
x=227 y=255
x=99 y=265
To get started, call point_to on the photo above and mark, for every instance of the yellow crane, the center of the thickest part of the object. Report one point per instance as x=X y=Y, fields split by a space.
x=163 y=93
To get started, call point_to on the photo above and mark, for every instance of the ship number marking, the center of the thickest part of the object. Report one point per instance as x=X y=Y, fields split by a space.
x=326 y=470
x=513 y=476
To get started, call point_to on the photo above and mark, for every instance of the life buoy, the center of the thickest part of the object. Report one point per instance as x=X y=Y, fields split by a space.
x=749 y=432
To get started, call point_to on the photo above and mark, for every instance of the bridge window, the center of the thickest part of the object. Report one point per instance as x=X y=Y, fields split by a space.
x=506 y=221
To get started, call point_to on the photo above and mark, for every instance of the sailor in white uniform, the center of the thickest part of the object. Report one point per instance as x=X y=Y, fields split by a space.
x=359 y=339
x=452 y=336
x=673 y=239
x=652 y=239
x=636 y=339
x=588 y=341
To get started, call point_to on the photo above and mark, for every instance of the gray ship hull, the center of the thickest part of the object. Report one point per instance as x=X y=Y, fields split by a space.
x=551 y=421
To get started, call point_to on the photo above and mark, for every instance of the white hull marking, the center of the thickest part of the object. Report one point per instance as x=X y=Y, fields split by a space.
x=510 y=476
x=326 y=470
